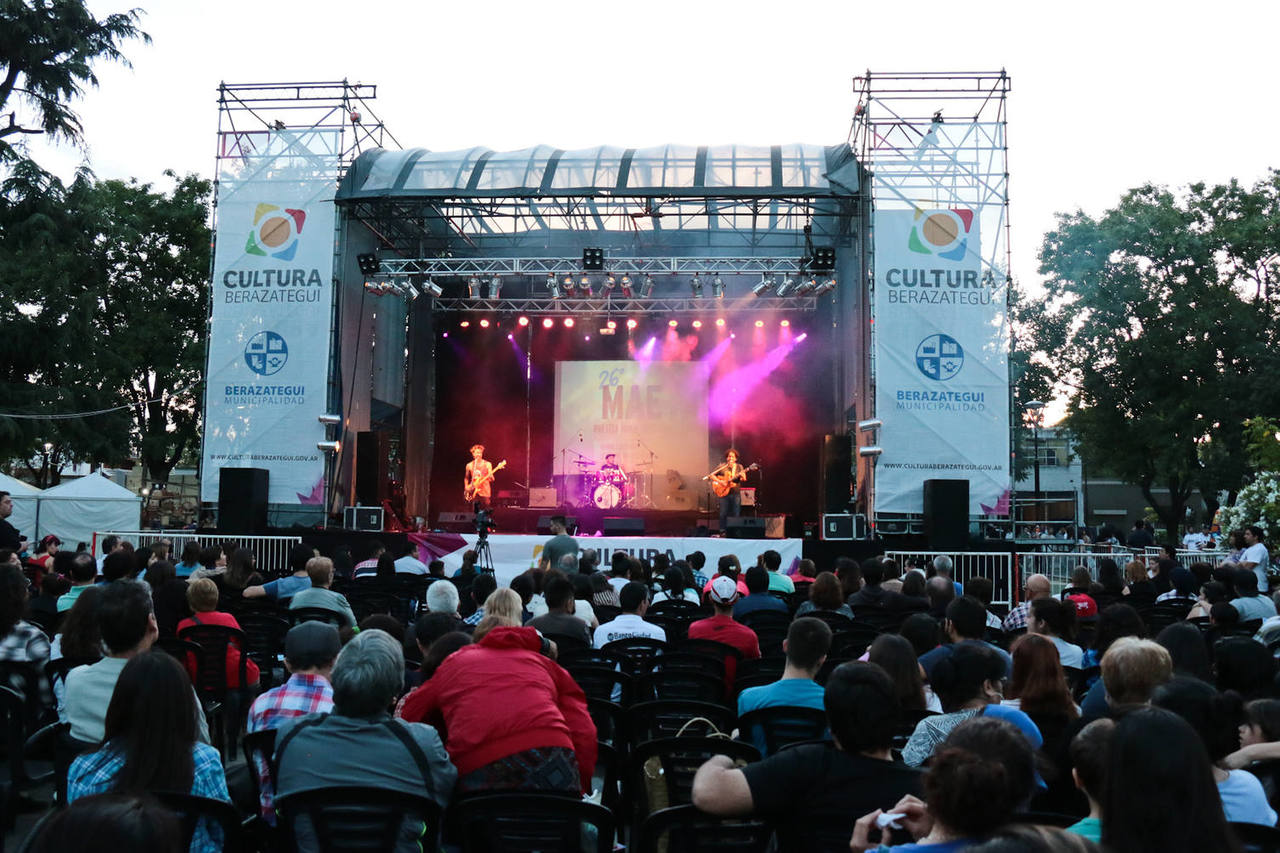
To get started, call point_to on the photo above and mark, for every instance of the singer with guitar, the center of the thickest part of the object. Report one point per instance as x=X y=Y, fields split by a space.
x=477 y=481
x=726 y=482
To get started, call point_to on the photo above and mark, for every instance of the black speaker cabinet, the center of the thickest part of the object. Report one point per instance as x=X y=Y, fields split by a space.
x=242 y=500
x=367 y=469
x=946 y=513
x=746 y=527
x=362 y=518
x=835 y=473
x=612 y=526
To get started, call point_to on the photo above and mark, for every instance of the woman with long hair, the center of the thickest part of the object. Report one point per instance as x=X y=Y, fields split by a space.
x=895 y=656
x=502 y=607
x=1138 y=586
x=980 y=777
x=674 y=588
x=1186 y=647
x=1110 y=578
x=825 y=594
x=150 y=743
x=240 y=572
x=1039 y=686
x=1160 y=794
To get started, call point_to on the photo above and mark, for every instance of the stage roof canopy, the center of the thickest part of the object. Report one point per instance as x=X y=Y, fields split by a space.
x=726 y=171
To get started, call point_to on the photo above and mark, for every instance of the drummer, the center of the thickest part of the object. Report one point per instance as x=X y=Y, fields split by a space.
x=611 y=471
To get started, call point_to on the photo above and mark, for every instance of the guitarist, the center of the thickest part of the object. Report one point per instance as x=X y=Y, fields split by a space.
x=478 y=479
x=729 y=476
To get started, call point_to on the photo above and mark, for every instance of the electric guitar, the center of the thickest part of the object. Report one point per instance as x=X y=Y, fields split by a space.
x=470 y=492
x=722 y=484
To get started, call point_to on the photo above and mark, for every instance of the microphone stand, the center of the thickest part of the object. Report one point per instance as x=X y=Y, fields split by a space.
x=652 y=456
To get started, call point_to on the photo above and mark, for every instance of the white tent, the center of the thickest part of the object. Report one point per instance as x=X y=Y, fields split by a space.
x=74 y=509
x=24 y=505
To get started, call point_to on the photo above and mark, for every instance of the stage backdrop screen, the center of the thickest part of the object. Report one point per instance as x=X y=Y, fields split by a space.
x=641 y=411
x=270 y=330
x=942 y=375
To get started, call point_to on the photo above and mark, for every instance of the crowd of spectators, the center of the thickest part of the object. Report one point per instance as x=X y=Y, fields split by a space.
x=1133 y=708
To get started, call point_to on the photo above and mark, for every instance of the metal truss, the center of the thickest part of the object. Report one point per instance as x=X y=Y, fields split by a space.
x=571 y=307
x=614 y=265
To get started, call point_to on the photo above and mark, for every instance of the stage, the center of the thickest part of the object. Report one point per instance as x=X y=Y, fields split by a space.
x=617 y=522
x=513 y=555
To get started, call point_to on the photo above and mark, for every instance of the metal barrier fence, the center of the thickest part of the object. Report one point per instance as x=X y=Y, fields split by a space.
x=271 y=553
x=997 y=565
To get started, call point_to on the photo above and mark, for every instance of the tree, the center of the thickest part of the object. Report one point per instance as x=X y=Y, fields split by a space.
x=1151 y=322
x=47 y=52
x=103 y=297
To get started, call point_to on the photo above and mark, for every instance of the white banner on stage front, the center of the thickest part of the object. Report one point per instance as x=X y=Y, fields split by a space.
x=513 y=555
x=942 y=373
x=640 y=411
x=268 y=369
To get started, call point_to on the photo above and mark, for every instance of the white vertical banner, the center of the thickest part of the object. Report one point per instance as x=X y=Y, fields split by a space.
x=269 y=335
x=651 y=415
x=942 y=372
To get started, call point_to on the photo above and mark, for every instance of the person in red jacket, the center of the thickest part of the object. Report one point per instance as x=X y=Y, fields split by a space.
x=722 y=592
x=515 y=720
x=202 y=595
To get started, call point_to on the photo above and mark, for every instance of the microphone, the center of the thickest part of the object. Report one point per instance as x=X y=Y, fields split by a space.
x=579 y=435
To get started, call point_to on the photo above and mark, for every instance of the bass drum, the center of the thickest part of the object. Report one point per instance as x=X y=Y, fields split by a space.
x=606 y=496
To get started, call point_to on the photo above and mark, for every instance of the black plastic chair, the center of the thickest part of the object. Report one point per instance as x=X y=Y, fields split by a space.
x=192 y=809
x=13 y=719
x=567 y=642
x=833 y=661
x=668 y=779
x=264 y=638
x=347 y=819
x=837 y=622
x=611 y=722
x=29 y=682
x=212 y=676
x=55 y=740
x=531 y=823
x=852 y=642
x=603 y=683
x=769 y=667
x=771 y=629
x=255 y=745
x=591 y=657
x=684 y=829
x=669 y=718
x=688 y=662
x=298 y=615
x=1256 y=838
x=638 y=651
x=680 y=684
x=779 y=725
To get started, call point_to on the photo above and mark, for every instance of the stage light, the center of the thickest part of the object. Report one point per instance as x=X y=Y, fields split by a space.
x=609 y=284
x=611 y=324
x=445 y=335
x=465 y=324
x=788 y=285
x=759 y=324
x=824 y=259
x=568 y=322
x=697 y=324
x=584 y=284
x=717 y=287
x=568 y=285
x=631 y=324
x=484 y=324
x=826 y=287
x=510 y=336
x=372 y=285
x=626 y=285
x=870 y=451
x=765 y=285
x=368 y=263
x=785 y=323
x=547 y=322
x=329 y=446
x=430 y=288
x=406 y=289
x=593 y=259
x=473 y=288
x=495 y=287
x=523 y=321
x=649 y=286
x=807 y=285
x=719 y=322
x=695 y=286
x=330 y=420
x=553 y=287
x=870 y=425
x=803 y=335
x=673 y=323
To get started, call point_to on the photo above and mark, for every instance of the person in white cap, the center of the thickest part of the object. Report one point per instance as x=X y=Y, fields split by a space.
x=722 y=593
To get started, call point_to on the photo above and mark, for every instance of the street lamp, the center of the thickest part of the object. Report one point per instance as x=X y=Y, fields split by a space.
x=1036 y=408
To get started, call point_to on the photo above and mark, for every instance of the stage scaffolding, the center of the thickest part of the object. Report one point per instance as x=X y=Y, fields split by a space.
x=933 y=139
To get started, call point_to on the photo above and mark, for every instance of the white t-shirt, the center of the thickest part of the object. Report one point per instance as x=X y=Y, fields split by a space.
x=690 y=595
x=411 y=566
x=1258 y=554
x=625 y=626
x=1069 y=654
x=1193 y=541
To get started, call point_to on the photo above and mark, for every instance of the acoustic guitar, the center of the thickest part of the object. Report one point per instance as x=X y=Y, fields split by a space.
x=722 y=484
x=470 y=492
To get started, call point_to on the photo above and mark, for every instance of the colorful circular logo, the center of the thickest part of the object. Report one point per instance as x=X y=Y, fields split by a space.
x=266 y=353
x=941 y=233
x=275 y=231
x=939 y=357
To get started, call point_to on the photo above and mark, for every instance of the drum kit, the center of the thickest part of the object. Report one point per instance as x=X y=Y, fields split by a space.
x=610 y=487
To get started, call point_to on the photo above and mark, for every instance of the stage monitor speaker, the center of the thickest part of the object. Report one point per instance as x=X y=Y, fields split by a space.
x=946 y=513
x=242 y=500
x=746 y=527
x=456 y=522
x=366 y=469
x=542 y=498
x=835 y=473
x=366 y=518
x=612 y=526
x=544 y=525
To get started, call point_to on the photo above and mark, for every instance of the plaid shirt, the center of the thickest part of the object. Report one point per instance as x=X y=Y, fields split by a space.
x=95 y=773
x=474 y=618
x=297 y=697
x=1017 y=617
x=27 y=644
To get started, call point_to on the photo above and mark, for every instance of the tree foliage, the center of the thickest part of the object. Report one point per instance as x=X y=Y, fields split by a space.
x=1162 y=318
x=103 y=298
x=47 y=52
